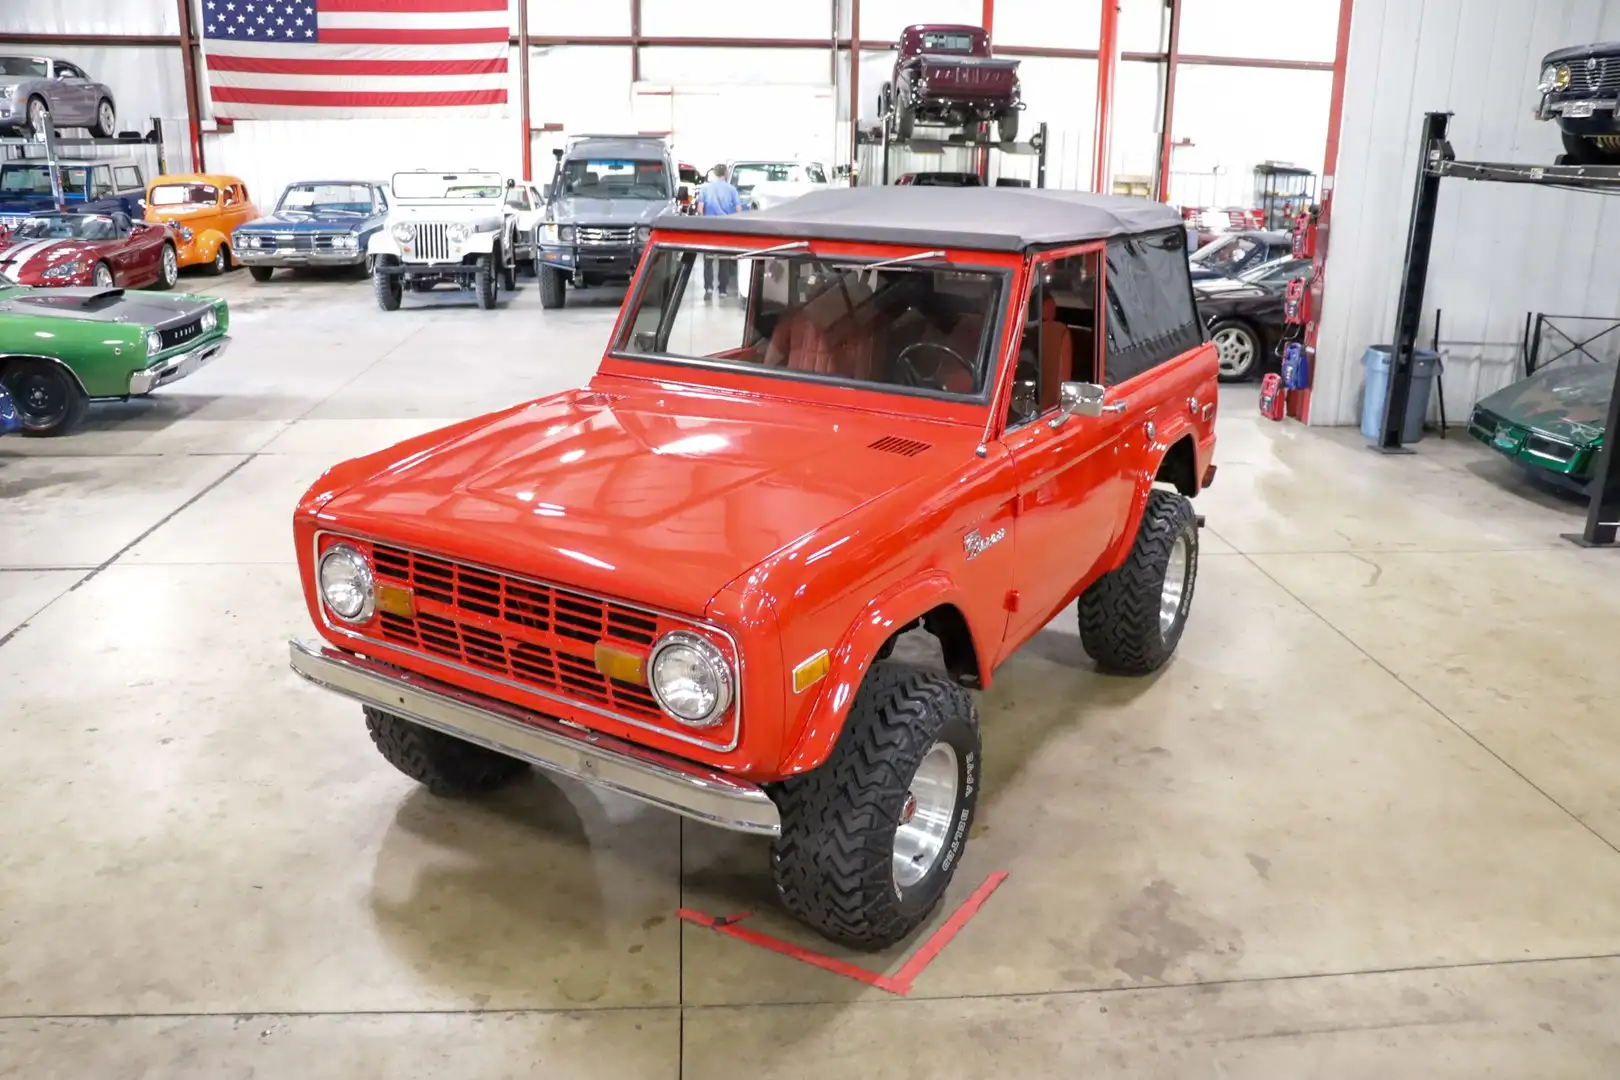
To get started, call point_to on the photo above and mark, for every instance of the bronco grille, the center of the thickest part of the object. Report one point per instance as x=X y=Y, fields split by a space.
x=529 y=632
x=179 y=335
x=606 y=234
x=432 y=242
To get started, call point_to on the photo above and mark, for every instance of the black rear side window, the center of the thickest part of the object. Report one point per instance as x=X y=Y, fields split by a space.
x=1151 y=317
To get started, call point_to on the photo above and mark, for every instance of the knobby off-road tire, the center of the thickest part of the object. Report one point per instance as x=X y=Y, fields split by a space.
x=553 y=287
x=484 y=283
x=1121 y=627
x=387 y=288
x=1007 y=126
x=442 y=764
x=834 y=862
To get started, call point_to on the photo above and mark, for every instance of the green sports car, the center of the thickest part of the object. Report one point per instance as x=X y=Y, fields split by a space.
x=1551 y=422
x=61 y=349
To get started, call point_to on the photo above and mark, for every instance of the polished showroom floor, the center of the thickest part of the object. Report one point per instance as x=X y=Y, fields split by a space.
x=1364 y=825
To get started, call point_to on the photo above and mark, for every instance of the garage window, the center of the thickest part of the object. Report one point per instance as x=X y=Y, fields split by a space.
x=1151 y=317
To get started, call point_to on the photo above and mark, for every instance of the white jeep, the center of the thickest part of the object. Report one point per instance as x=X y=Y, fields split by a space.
x=443 y=226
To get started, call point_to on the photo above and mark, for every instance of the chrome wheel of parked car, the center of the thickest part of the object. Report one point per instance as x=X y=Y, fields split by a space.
x=1238 y=350
x=222 y=261
x=106 y=125
x=925 y=816
x=103 y=276
x=168 y=268
x=1175 y=586
x=39 y=115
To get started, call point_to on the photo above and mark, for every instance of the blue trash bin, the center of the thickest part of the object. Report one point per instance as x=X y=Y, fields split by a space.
x=1377 y=360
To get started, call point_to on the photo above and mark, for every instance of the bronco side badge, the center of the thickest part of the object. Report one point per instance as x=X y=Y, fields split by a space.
x=975 y=545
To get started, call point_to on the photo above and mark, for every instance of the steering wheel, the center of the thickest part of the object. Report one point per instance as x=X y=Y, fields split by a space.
x=932 y=379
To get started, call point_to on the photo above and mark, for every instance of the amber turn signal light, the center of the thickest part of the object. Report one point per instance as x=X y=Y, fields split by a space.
x=621 y=665
x=811 y=672
x=394 y=600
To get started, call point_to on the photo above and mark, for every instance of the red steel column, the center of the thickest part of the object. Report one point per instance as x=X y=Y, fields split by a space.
x=987 y=19
x=523 y=86
x=188 y=56
x=1107 y=67
x=1171 y=69
x=854 y=85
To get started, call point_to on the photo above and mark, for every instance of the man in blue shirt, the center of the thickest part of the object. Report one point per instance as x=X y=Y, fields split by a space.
x=718 y=198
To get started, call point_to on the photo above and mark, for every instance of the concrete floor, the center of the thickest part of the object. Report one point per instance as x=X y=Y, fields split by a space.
x=1364 y=825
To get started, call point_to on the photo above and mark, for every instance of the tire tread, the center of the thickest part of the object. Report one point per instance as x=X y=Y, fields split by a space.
x=443 y=764
x=1119 y=613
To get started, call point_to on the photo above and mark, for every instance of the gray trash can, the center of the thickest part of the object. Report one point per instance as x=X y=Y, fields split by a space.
x=1377 y=361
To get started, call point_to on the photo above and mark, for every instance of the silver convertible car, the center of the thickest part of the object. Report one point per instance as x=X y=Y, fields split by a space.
x=36 y=90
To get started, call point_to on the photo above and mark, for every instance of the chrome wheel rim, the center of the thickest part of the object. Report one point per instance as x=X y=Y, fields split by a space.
x=1235 y=350
x=925 y=816
x=38 y=116
x=171 y=266
x=107 y=118
x=1175 y=586
x=103 y=277
x=219 y=260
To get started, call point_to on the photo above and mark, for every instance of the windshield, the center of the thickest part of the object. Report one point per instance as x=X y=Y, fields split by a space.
x=36 y=180
x=1277 y=271
x=918 y=327
x=1225 y=253
x=184 y=195
x=600 y=178
x=326 y=199
x=449 y=187
x=22 y=65
x=746 y=174
x=66 y=227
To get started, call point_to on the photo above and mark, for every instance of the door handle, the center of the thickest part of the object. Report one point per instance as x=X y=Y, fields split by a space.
x=1116 y=407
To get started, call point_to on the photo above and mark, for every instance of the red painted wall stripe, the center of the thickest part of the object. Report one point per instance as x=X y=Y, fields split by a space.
x=450 y=35
x=424 y=7
x=246 y=95
x=270 y=65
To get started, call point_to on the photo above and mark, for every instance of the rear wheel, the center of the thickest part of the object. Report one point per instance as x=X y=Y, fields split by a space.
x=1007 y=126
x=1131 y=618
x=484 y=283
x=443 y=764
x=106 y=125
x=871 y=838
x=168 y=267
x=387 y=288
x=261 y=273
x=1598 y=150
x=48 y=399
x=102 y=275
x=508 y=273
x=1237 y=349
x=553 y=287
x=905 y=119
x=222 y=261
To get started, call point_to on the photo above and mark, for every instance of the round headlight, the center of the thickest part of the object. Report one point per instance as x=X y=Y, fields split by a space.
x=154 y=343
x=186 y=235
x=209 y=320
x=643 y=234
x=690 y=679
x=1561 y=77
x=346 y=586
x=1549 y=78
x=457 y=232
x=402 y=232
x=565 y=233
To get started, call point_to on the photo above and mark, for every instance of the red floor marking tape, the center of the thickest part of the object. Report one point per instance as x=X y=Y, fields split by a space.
x=898 y=983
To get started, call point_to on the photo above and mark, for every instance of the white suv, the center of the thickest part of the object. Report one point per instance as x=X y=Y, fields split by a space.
x=443 y=226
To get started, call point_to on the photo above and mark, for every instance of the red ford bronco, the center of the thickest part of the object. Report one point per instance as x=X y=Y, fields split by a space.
x=684 y=581
x=944 y=74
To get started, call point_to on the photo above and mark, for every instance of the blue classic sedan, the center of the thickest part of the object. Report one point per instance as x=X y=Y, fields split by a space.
x=315 y=223
x=9 y=421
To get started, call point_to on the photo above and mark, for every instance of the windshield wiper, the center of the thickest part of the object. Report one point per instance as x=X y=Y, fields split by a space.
x=918 y=257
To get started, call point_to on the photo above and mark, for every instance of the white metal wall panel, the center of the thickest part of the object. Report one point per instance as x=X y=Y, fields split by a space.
x=1045 y=25
x=554 y=18
x=89 y=17
x=1499 y=251
x=581 y=87
x=882 y=20
x=146 y=80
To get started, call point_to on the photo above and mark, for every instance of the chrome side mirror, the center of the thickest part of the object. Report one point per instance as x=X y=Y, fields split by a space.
x=1078 y=399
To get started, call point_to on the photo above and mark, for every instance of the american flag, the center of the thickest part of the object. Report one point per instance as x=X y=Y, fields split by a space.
x=302 y=59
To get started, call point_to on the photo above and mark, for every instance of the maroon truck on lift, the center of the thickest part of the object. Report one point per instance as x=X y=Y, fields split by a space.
x=944 y=74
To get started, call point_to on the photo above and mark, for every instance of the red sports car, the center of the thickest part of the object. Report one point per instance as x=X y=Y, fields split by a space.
x=109 y=250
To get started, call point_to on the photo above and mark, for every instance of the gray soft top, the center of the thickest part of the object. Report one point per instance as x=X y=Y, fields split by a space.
x=609 y=147
x=983 y=219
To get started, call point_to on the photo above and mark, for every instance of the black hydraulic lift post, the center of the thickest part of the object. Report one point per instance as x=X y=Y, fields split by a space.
x=1603 y=512
x=1409 y=309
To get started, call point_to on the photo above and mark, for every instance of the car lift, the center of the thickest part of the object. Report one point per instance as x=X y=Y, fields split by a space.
x=882 y=139
x=1436 y=162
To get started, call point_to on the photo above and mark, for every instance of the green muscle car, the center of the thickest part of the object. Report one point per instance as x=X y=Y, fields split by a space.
x=60 y=349
x=1551 y=422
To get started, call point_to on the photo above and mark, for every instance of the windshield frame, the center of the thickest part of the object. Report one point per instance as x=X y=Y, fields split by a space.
x=461 y=181
x=1002 y=268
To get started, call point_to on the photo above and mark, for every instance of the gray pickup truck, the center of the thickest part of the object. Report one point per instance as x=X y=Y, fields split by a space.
x=600 y=205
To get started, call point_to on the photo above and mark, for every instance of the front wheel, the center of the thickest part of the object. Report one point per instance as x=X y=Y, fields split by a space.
x=39 y=117
x=102 y=275
x=1131 y=618
x=508 y=275
x=168 y=267
x=1584 y=150
x=1237 y=350
x=106 y=125
x=387 y=288
x=48 y=399
x=905 y=120
x=872 y=837
x=553 y=287
x=261 y=273
x=443 y=764
x=484 y=283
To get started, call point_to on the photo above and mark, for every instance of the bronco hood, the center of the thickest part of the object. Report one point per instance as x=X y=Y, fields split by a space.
x=648 y=493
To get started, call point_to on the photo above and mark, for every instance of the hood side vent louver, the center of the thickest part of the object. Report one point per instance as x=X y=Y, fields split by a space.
x=894 y=444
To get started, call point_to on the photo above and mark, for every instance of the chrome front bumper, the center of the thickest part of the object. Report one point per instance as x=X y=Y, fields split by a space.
x=171 y=368
x=672 y=783
x=252 y=257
